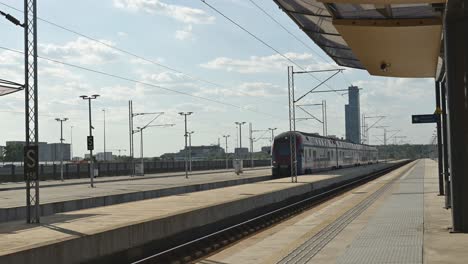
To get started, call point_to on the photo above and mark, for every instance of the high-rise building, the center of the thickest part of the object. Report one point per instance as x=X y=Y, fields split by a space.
x=352 y=116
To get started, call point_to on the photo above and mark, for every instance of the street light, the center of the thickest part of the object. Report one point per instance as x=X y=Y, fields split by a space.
x=61 y=120
x=226 y=138
x=185 y=114
x=240 y=133
x=271 y=147
x=90 y=138
x=71 y=142
x=190 y=149
x=104 y=112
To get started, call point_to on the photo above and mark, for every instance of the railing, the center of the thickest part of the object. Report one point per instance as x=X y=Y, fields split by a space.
x=14 y=173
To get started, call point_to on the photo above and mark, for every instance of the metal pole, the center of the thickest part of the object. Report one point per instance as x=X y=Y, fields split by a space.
x=190 y=151
x=240 y=136
x=323 y=119
x=186 y=165
x=326 y=118
x=71 y=142
x=292 y=124
x=141 y=153
x=31 y=107
x=439 y=140
x=448 y=198
x=61 y=150
x=91 y=163
x=251 y=145
x=130 y=130
x=227 y=162
x=104 y=111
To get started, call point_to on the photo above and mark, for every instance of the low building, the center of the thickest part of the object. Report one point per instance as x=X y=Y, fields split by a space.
x=197 y=153
x=266 y=149
x=2 y=151
x=104 y=156
x=241 y=153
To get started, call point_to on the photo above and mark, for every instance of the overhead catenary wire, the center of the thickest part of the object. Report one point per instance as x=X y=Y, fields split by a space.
x=262 y=41
x=144 y=83
x=288 y=31
x=129 y=53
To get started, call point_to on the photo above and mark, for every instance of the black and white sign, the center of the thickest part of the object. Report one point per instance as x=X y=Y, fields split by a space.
x=90 y=141
x=31 y=162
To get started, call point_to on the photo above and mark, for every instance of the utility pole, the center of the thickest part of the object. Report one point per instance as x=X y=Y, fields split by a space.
x=131 y=132
x=271 y=145
x=61 y=120
x=239 y=124
x=71 y=142
x=226 y=138
x=130 y=127
x=292 y=111
x=185 y=114
x=190 y=150
x=90 y=138
x=140 y=129
x=251 y=145
x=104 y=111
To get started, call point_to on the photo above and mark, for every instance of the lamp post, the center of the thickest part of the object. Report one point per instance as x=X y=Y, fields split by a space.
x=190 y=149
x=104 y=112
x=272 y=139
x=61 y=120
x=185 y=114
x=226 y=139
x=90 y=143
x=240 y=135
x=71 y=142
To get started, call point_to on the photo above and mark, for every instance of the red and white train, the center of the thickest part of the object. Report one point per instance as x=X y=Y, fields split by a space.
x=316 y=153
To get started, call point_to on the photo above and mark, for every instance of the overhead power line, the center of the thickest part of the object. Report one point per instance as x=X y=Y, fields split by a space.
x=288 y=31
x=262 y=41
x=129 y=53
x=143 y=83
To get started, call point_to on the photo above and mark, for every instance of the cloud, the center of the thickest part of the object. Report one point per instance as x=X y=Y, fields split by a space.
x=256 y=64
x=81 y=51
x=122 y=34
x=249 y=89
x=180 y=13
x=185 y=33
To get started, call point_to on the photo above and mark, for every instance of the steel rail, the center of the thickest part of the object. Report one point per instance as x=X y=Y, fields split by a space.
x=294 y=207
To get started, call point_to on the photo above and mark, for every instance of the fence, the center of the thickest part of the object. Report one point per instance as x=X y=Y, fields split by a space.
x=14 y=173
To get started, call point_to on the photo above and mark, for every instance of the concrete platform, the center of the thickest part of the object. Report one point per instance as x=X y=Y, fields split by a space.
x=71 y=195
x=87 y=234
x=405 y=223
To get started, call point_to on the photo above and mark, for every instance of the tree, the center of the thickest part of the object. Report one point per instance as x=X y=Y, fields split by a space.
x=14 y=152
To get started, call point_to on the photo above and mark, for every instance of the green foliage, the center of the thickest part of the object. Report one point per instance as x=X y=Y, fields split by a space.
x=13 y=152
x=407 y=151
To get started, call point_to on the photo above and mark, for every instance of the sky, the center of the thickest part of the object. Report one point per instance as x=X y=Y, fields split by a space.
x=186 y=57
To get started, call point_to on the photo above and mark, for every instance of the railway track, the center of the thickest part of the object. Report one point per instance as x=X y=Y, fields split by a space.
x=204 y=246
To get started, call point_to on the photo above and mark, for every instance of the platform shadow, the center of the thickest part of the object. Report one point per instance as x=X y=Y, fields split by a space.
x=49 y=222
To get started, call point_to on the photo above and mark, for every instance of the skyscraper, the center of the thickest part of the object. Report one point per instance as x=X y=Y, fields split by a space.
x=352 y=116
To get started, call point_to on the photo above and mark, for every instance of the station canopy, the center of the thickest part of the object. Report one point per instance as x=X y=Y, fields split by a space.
x=397 y=38
x=8 y=87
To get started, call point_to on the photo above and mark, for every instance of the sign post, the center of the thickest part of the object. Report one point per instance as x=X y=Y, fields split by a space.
x=90 y=141
x=30 y=163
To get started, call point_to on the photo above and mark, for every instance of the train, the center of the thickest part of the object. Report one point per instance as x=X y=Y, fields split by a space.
x=317 y=153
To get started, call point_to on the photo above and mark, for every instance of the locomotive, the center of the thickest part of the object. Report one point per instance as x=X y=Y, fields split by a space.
x=316 y=153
